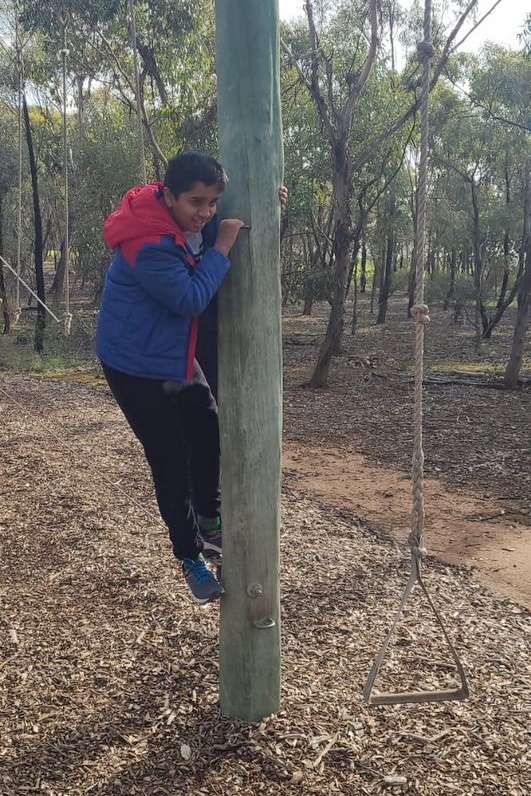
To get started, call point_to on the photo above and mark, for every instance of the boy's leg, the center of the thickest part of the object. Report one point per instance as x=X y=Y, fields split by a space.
x=199 y=413
x=154 y=418
x=200 y=421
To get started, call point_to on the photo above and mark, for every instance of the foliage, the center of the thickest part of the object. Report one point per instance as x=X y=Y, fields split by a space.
x=479 y=137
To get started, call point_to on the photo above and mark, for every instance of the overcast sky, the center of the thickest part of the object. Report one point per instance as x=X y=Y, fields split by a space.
x=501 y=27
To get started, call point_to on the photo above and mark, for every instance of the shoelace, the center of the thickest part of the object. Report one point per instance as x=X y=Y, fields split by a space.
x=200 y=569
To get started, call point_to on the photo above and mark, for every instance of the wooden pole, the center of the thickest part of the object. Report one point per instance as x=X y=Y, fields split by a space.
x=250 y=357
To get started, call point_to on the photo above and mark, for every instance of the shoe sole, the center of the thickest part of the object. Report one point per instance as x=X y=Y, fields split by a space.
x=211 y=551
x=202 y=603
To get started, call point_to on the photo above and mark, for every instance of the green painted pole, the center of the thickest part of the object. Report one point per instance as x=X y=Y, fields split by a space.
x=250 y=357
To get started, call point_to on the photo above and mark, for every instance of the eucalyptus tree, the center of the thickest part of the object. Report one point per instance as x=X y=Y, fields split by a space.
x=171 y=40
x=513 y=109
x=500 y=89
x=335 y=70
x=16 y=82
x=525 y=36
x=8 y=179
x=395 y=230
x=514 y=363
x=306 y=221
x=335 y=102
x=480 y=151
x=108 y=161
x=174 y=98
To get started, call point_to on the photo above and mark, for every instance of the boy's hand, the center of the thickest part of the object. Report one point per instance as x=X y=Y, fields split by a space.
x=227 y=233
x=283 y=195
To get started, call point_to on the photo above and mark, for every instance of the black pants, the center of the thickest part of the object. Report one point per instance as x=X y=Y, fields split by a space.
x=178 y=428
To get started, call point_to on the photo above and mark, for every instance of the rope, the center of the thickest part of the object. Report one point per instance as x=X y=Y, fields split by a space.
x=20 y=74
x=420 y=314
x=137 y=94
x=67 y=322
x=420 y=311
x=19 y=279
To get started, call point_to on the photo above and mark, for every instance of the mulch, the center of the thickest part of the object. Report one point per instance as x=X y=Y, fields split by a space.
x=475 y=438
x=109 y=674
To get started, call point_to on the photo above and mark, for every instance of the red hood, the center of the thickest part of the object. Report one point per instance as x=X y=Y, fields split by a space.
x=140 y=216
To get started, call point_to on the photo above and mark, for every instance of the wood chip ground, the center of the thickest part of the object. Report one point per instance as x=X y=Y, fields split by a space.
x=108 y=672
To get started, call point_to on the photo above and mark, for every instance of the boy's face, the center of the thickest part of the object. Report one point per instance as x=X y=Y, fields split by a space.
x=192 y=209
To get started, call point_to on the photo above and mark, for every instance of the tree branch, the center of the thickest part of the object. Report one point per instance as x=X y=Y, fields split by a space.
x=366 y=153
x=359 y=85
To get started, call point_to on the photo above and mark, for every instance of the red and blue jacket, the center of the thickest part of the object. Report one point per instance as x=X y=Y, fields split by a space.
x=154 y=290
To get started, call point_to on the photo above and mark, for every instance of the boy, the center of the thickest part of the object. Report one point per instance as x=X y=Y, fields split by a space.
x=155 y=289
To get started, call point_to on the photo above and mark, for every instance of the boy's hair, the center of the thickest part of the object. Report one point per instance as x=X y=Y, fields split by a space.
x=187 y=168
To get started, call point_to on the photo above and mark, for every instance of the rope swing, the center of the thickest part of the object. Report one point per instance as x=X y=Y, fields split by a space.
x=63 y=53
x=67 y=317
x=138 y=99
x=20 y=91
x=420 y=314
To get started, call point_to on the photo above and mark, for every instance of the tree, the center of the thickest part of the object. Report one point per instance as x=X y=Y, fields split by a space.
x=336 y=93
x=336 y=114
x=8 y=172
x=514 y=364
x=40 y=324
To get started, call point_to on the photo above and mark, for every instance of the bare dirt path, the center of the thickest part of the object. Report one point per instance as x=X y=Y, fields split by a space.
x=461 y=527
x=351 y=444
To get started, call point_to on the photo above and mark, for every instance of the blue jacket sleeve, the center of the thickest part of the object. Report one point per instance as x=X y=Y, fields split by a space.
x=167 y=278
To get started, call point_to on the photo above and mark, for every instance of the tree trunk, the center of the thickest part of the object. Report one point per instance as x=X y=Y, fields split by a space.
x=481 y=317
x=375 y=279
x=332 y=341
x=58 y=283
x=506 y=239
x=502 y=305
x=505 y=277
x=354 y=319
x=40 y=324
x=4 y=301
x=451 y=289
x=3 y=294
x=387 y=277
x=250 y=357
x=355 y=247
x=512 y=371
x=363 y=274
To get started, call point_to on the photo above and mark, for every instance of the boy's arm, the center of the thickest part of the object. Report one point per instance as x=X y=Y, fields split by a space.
x=168 y=279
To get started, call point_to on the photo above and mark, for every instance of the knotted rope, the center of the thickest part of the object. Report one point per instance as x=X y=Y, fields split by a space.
x=20 y=91
x=420 y=314
x=137 y=94
x=63 y=53
x=419 y=311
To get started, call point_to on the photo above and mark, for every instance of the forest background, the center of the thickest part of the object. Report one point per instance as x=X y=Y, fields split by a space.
x=84 y=115
x=96 y=96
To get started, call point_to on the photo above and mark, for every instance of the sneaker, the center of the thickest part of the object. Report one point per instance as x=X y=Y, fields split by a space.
x=202 y=583
x=210 y=532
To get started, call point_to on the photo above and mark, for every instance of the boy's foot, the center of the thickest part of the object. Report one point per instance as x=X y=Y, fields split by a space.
x=210 y=532
x=202 y=583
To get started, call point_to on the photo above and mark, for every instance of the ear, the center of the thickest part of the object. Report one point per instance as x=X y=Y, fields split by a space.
x=169 y=198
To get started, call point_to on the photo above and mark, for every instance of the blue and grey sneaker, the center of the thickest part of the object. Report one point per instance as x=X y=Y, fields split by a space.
x=210 y=532
x=202 y=583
